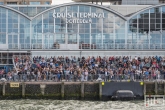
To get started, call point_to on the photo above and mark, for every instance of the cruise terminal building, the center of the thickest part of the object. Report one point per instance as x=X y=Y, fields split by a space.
x=81 y=29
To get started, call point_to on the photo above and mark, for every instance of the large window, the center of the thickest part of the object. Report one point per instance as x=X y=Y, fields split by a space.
x=47 y=3
x=147 y=27
x=101 y=31
x=12 y=3
x=34 y=3
x=1 y=3
x=2 y=38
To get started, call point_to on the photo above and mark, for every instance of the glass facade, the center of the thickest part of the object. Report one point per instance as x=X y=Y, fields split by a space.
x=34 y=3
x=1 y=3
x=146 y=29
x=31 y=10
x=80 y=26
x=100 y=33
x=47 y=3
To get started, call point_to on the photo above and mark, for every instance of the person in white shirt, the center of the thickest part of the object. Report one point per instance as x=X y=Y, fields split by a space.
x=39 y=75
x=157 y=74
x=137 y=74
x=66 y=74
x=106 y=75
x=86 y=75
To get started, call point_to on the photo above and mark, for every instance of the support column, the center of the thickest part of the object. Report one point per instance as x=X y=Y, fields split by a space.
x=42 y=87
x=23 y=89
x=100 y=90
x=62 y=90
x=148 y=34
x=156 y=88
x=82 y=90
x=144 y=91
x=3 y=90
x=164 y=88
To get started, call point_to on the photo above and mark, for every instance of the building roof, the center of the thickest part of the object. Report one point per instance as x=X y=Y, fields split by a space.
x=144 y=9
x=62 y=5
x=94 y=0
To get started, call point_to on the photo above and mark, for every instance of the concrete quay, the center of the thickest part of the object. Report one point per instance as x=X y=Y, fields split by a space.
x=78 y=90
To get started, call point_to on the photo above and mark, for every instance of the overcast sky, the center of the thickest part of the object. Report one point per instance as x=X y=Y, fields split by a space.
x=56 y=2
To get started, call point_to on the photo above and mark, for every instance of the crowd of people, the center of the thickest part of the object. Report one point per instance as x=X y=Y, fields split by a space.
x=112 y=68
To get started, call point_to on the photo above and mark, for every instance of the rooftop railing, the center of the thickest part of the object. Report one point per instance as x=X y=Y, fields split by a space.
x=84 y=46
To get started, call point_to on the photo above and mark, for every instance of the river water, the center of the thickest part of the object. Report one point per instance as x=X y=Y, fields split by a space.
x=27 y=104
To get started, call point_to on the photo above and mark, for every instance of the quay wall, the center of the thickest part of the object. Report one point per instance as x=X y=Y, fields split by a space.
x=77 y=90
x=50 y=90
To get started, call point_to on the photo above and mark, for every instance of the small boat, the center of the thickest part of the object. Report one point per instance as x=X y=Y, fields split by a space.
x=123 y=95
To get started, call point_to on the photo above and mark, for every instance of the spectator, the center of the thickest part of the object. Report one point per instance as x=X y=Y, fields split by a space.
x=88 y=68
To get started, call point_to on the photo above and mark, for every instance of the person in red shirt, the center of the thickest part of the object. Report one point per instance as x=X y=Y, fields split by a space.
x=154 y=63
x=16 y=59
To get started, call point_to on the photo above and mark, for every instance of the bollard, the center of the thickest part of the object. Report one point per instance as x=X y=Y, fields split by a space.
x=23 y=89
x=156 y=88
x=82 y=90
x=100 y=90
x=62 y=90
x=3 y=90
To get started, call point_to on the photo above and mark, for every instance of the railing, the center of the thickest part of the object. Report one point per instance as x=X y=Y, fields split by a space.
x=74 y=78
x=91 y=46
x=122 y=46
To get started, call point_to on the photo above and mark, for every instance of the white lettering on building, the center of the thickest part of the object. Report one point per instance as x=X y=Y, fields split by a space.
x=78 y=17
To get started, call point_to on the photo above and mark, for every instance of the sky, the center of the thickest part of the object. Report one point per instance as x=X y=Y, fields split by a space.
x=56 y=2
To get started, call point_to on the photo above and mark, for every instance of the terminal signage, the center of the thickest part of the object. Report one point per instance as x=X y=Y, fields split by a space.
x=78 y=17
x=14 y=84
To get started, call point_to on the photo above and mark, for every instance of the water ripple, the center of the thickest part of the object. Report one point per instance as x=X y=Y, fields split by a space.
x=73 y=105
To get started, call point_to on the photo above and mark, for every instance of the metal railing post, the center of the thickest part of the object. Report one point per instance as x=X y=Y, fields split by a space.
x=100 y=90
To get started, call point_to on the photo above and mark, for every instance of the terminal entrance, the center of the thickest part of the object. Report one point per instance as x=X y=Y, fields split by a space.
x=72 y=38
x=13 y=41
x=49 y=41
x=60 y=41
x=70 y=41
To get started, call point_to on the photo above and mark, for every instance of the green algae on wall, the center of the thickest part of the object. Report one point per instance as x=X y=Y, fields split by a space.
x=13 y=92
x=150 y=89
x=91 y=91
x=72 y=91
x=32 y=91
x=160 y=89
x=1 y=87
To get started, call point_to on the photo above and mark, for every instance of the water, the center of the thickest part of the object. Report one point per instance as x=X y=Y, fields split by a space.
x=74 y=105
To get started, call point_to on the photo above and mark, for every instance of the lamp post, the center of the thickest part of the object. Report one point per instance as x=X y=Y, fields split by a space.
x=80 y=53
